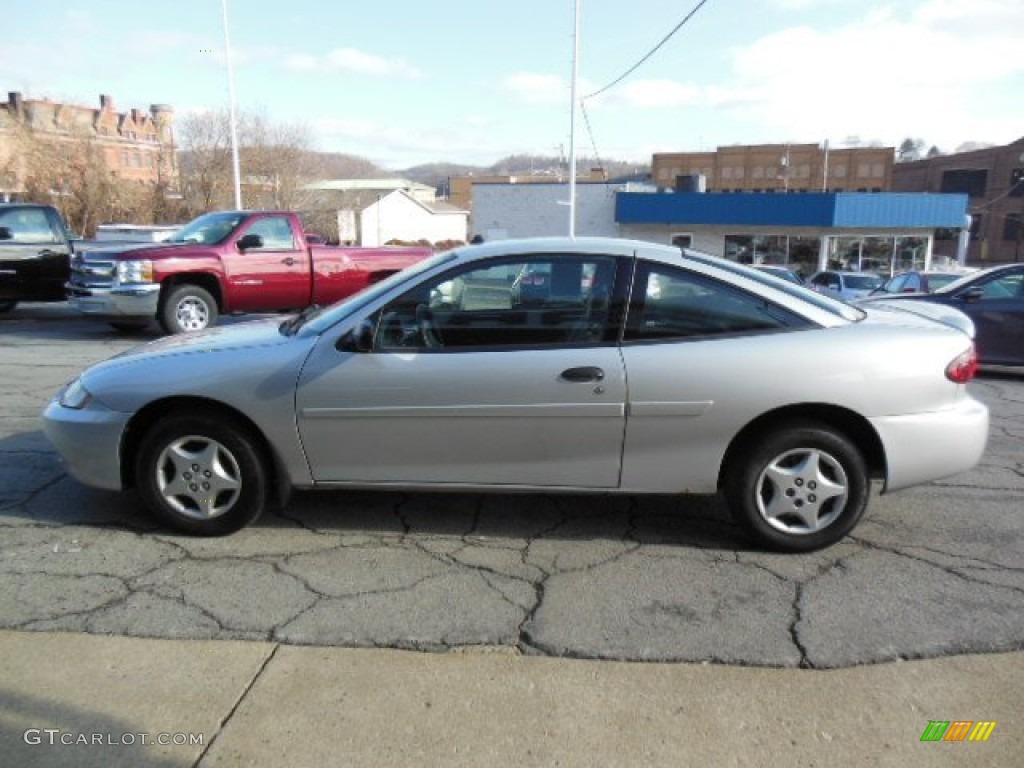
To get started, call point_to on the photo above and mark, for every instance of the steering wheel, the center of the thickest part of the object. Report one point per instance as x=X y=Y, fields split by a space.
x=425 y=321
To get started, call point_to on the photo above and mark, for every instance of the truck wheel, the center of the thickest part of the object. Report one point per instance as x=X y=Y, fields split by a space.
x=187 y=308
x=202 y=473
x=7 y=306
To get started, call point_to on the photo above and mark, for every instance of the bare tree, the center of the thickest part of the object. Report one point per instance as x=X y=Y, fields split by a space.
x=70 y=172
x=275 y=161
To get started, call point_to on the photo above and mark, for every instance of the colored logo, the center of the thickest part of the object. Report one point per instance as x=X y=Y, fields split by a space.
x=958 y=730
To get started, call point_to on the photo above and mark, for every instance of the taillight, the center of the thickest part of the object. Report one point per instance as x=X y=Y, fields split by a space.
x=963 y=367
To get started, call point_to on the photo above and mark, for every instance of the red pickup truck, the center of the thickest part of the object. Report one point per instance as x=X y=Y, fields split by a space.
x=230 y=261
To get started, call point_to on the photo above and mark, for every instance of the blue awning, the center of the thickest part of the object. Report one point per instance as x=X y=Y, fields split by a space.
x=877 y=210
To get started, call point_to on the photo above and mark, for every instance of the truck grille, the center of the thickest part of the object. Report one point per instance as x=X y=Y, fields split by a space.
x=87 y=272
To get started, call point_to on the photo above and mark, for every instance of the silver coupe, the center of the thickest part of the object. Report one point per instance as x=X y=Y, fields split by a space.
x=545 y=365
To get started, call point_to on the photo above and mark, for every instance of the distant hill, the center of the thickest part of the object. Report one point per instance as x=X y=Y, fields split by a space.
x=437 y=174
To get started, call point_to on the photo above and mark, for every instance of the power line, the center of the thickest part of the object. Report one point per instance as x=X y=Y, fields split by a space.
x=648 y=55
x=590 y=133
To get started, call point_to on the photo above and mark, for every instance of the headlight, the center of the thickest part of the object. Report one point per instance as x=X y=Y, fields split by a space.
x=75 y=396
x=135 y=271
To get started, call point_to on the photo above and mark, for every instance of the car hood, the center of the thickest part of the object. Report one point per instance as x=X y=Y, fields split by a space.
x=907 y=306
x=252 y=359
x=254 y=333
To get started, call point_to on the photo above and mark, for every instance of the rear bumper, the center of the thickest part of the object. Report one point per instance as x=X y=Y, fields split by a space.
x=923 y=447
x=123 y=301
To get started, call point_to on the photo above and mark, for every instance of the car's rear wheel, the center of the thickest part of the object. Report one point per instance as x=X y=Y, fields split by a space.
x=187 y=307
x=798 y=488
x=7 y=305
x=203 y=475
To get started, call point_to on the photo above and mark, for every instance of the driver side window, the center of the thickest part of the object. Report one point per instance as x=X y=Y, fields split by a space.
x=542 y=300
x=276 y=232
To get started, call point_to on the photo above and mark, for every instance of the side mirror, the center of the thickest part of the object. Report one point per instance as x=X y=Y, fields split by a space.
x=245 y=242
x=358 y=339
x=972 y=294
x=6 y=233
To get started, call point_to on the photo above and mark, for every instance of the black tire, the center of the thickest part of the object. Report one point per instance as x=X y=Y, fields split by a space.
x=128 y=327
x=186 y=308
x=202 y=474
x=798 y=488
x=6 y=305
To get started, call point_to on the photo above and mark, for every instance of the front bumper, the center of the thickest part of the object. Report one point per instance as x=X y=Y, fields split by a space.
x=121 y=301
x=89 y=441
x=923 y=447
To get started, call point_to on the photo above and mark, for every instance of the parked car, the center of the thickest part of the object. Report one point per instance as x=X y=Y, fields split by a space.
x=228 y=261
x=845 y=285
x=35 y=250
x=724 y=380
x=915 y=281
x=780 y=271
x=993 y=299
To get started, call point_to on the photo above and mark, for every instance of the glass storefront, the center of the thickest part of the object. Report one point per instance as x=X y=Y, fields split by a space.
x=884 y=255
x=798 y=253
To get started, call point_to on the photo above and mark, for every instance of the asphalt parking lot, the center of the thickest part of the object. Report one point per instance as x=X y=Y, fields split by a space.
x=932 y=571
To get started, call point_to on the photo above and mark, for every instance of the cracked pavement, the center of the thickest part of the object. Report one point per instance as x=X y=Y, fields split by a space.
x=932 y=571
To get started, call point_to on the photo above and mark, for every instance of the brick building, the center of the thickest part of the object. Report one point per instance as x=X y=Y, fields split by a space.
x=136 y=145
x=993 y=179
x=776 y=168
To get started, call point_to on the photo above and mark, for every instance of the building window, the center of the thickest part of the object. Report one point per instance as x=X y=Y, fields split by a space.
x=877 y=170
x=970 y=182
x=863 y=170
x=1012 y=227
x=1017 y=182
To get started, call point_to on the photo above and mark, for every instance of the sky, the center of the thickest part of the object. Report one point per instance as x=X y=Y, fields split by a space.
x=472 y=81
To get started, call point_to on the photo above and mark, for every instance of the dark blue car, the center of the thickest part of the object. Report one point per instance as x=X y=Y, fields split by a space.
x=994 y=299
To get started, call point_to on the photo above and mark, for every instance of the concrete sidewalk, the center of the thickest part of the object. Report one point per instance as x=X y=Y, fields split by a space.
x=258 y=703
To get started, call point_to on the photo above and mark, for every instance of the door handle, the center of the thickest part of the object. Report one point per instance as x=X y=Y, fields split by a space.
x=582 y=374
x=288 y=262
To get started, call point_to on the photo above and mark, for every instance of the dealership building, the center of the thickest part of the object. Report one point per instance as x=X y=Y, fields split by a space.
x=877 y=231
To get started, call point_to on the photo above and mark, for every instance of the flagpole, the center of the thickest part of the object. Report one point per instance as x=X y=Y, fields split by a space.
x=236 y=171
x=572 y=118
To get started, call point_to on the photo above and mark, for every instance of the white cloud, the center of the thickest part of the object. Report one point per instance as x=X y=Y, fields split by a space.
x=351 y=60
x=886 y=75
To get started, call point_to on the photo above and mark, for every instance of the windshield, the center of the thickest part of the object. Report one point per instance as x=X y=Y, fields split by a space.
x=862 y=282
x=957 y=284
x=208 y=229
x=328 y=316
x=821 y=301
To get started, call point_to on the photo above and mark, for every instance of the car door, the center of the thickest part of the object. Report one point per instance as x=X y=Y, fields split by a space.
x=996 y=305
x=689 y=346
x=466 y=384
x=275 y=275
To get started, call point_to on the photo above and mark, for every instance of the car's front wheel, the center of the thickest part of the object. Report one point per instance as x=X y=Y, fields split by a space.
x=798 y=488
x=203 y=475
